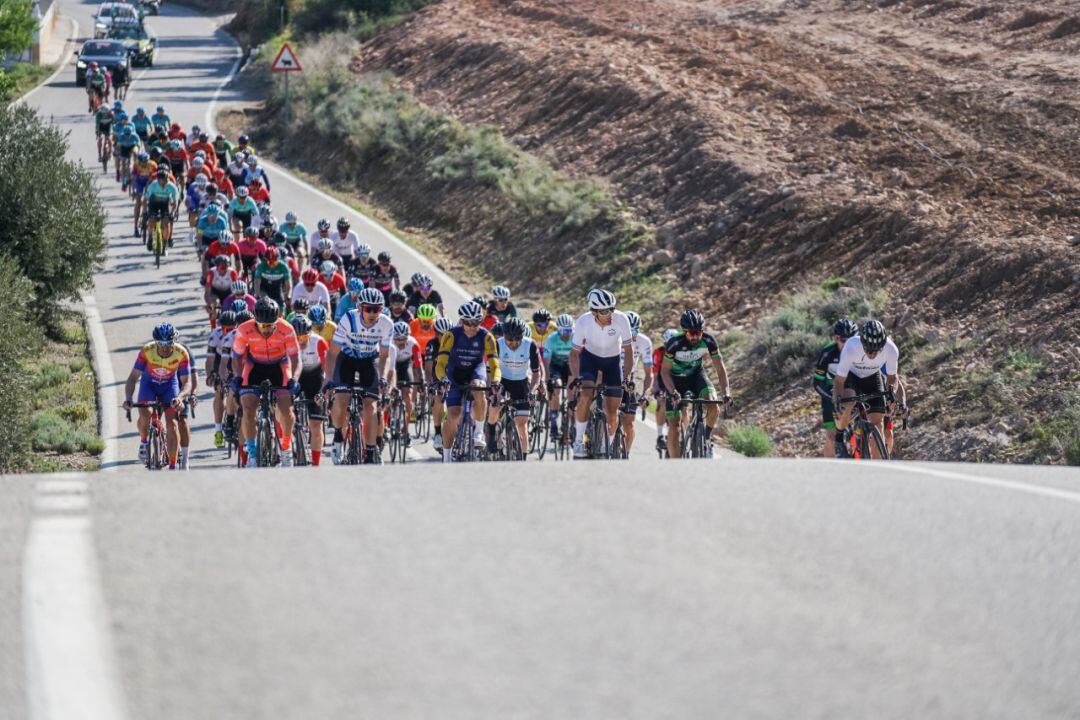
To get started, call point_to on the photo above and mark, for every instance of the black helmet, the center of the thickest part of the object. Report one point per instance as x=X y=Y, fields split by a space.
x=162 y=173
x=266 y=310
x=301 y=305
x=243 y=316
x=844 y=328
x=343 y=224
x=279 y=238
x=227 y=318
x=301 y=324
x=497 y=330
x=542 y=315
x=872 y=334
x=384 y=257
x=513 y=328
x=397 y=296
x=692 y=320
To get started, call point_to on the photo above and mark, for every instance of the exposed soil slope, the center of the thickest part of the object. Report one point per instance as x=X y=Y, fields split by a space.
x=931 y=145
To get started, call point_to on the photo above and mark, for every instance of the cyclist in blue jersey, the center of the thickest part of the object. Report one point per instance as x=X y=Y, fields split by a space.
x=162 y=198
x=519 y=362
x=142 y=123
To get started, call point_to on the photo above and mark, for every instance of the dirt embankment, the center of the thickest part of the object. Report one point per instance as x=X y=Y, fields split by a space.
x=929 y=145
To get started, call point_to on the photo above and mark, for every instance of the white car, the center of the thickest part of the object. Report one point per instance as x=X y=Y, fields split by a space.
x=111 y=11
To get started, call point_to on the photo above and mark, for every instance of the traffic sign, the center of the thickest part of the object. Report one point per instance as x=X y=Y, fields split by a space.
x=286 y=60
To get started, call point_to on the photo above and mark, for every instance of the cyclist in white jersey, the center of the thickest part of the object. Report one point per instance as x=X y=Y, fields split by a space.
x=313 y=350
x=860 y=372
x=219 y=369
x=643 y=353
x=600 y=337
x=522 y=373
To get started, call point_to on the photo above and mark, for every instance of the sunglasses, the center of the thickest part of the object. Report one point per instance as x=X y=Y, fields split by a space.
x=425 y=288
x=604 y=313
x=566 y=331
x=164 y=344
x=541 y=326
x=694 y=333
x=265 y=326
x=470 y=323
x=371 y=308
x=426 y=324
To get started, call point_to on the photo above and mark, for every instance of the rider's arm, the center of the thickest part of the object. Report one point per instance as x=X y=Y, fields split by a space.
x=721 y=375
x=494 y=371
x=384 y=353
x=628 y=359
x=442 y=360
x=129 y=386
x=536 y=368
x=665 y=374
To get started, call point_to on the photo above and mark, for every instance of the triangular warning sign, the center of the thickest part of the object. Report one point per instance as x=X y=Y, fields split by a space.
x=286 y=60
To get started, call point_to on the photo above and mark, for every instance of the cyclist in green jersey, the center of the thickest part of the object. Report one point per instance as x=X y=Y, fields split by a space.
x=683 y=370
x=162 y=197
x=556 y=357
x=296 y=235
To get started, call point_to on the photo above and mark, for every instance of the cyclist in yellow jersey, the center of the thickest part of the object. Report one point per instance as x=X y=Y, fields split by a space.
x=321 y=324
x=541 y=327
x=142 y=171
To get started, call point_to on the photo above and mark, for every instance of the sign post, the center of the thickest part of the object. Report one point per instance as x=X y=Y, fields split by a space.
x=286 y=62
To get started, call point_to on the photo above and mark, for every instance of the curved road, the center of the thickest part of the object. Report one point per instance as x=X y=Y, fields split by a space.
x=739 y=588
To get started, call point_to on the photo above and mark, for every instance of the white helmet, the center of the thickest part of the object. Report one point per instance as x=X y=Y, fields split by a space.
x=564 y=322
x=668 y=334
x=197 y=163
x=239 y=287
x=371 y=296
x=501 y=292
x=290 y=217
x=363 y=250
x=601 y=300
x=470 y=311
x=635 y=320
x=201 y=180
x=401 y=329
x=329 y=268
x=325 y=244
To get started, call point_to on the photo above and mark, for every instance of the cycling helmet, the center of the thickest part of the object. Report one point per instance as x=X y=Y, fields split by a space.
x=203 y=137
x=471 y=310
x=635 y=320
x=239 y=306
x=528 y=332
x=601 y=300
x=355 y=285
x=279 y=238
x=155 y=153
x=415 y=279
x=201 y=154
x=128 y=130
x=542 y=315
x=273 y=254
x=668 y=334
x=692 y=320
x=329 y=268
x=496 y=330
x=250 y=231
x=123 y=116
x=325 y=244
x=138 y=111
x=118 y=105
x=324 y=224
x=244 y=316
x=501 y=292
x=163 y=333
x=384 y=257
x=161 y=111
x=401 y=329
x=201 y=181
x=93 y=65
x=222 y=260
x=371 y=296
x=252 y=161
x=239 y=287
x=481 y=300
x=211 y=188
x=174 y=144
x=343 y=224
x=844 y=328
x=301 y=305
x=226 y=239
x=162 y=173
x=290 y=217
x=317 y=314
x=227 y=318
x=425 y=281
x=212 y=208
x=310 y=276
x=175 y=334
x=266 y=310
x=301 y=324
x=243 y=139
x=514 y=328
x=242 y=191
x=144 y=156
x=564 y=322
x=425 y=312
x=397 y=296
x=873 y=337
x=197 y=163
x=264 y=209
x=442 y=325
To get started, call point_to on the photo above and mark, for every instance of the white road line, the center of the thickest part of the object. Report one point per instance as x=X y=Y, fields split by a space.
x=99 y=354
x=1002 y=484
x=69 y=658
x=63 y=63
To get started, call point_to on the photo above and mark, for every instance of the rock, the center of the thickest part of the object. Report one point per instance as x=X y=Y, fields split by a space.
x=1073 y=239
x=922 y=95
x=695 y=265
x=665 y=236
x=897 y=178
x=663 y=257
x=920 y=209
x=1000 y=427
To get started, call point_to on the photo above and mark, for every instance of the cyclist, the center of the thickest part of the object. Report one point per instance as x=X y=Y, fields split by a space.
x=897 y=408
x=202 y=142
x=467 y=356
x=142 y=172
x=436 y=390
x=363 y=266
x=643 y=354
x=266 y=348
x=273 y=278
x=177 y=157
x=121 y=78
x=162 y=198
x=522 y=372
x=160 y=118
x=397 y=311
x=660 y=393
x=410 y=287
x=103 y=122
x=859 y=372
x=556 y=357
x=500 y=306
x=322 y=231
x=254 y=171
x=310 y=289
x=600 y=336
x=184 y=431
x=346 y=241
x=163 y=372
x=198 y=167
x=143 y=126
x=128 y=145
x=176 y=132
x=541 y=328
x=195 y=198
x=240 y=294
x=241 y=210
x=406 y=357
x=218 y=286
x=423 y=327
x=321 y=323
x=212 y=229
x=236 y=170
x=359 y=355
x=251 y=250
x=683 y=371
x=313 y=349
x=324 y=252
x=219 y=370
x=296 y=235
x=224 y=245
x=244 y=146
x=385 y=277
x=351 y=299
x=259 y=194
x=334 y=282
x=424 y=294
x=97 y=85
x=223 y=183
x=222 y=150
x=824 y=370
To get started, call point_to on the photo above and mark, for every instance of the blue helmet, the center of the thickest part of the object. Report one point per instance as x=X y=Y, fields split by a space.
x=161 y=108
x=355 y=285
x=118 y=105
x=122 y=117
x=318 y=314
x=164 y=332
x=140 y=111
x=239 y=306
x=128 y=130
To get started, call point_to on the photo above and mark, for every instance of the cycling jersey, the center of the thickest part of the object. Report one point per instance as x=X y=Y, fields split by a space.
x=128 y=143
x=248 y=299
x=250 y=344
x=459 y=352
x=541 y=337
x=501 y=315
x=408 y=354
x=360 y=341
x=603 y=341
x=517 y=364
x=557 y=349
x=142 y=125
x=251 y=174
x=344 y=305
x=643 y=350
x=854 y=360
x=317 y=295
x=416 y=299
x=825 y=370
x=223 y=149
x=364 y=269
x=313 y=353
x=422 y=336
x=221 y=282
x=335 y=284
x=246 y=207
x=214 y=226
x=216 y=248
x=155 y=191
x=383 y=278
x=686 y=357
x=345 y=246
x=96 y=80
x=104 y=116
x=326 y=332
x=259 y=195
x=158 y=119
x=251 y=250
x=294 y=233
x=163 y=369
x=143 y=171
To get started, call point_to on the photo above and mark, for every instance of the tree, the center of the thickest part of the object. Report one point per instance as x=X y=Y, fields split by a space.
x=54 y=225
x=17 y=337
x=17 y=26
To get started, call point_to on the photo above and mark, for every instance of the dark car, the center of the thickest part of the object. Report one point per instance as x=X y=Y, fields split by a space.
x=106 y=53
x=140 y=46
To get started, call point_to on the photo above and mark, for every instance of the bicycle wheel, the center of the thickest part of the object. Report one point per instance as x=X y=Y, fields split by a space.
x=397 y=438
x=512 y=441
x=871 y=435
x=618 y=445
x=697 y=440
x=354 y=444
x=153 y=449
x=300 y=456
x=539 y=429
x=159 y=243
x=264 y=438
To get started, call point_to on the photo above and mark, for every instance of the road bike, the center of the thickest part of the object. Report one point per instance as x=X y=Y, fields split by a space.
x=464 y=448
x=597 y=443
x=504 y=443
x=563 y=439
x=266 y=427
x=302 y=430
x=695 y=437
x=397 y=426
x=857 y=440
x=539 y=425
x=156 y=452
x=422 y=408
x=353 y=450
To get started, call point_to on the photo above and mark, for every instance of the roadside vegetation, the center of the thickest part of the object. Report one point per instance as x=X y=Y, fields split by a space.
x=17 y=27
x=47 y=399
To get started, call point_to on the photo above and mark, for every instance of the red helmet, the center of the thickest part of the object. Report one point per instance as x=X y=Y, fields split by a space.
x=272 y=255
x=310 y=276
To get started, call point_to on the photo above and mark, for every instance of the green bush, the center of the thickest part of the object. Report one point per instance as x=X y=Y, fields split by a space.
x=52 y=432
x=1023 y=361
x=50 y=374
x=51 y=210
x=750 y=440
x=363 y=17
x=18 y=337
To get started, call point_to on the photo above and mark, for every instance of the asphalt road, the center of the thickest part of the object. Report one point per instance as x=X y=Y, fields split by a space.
x=737 y=588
